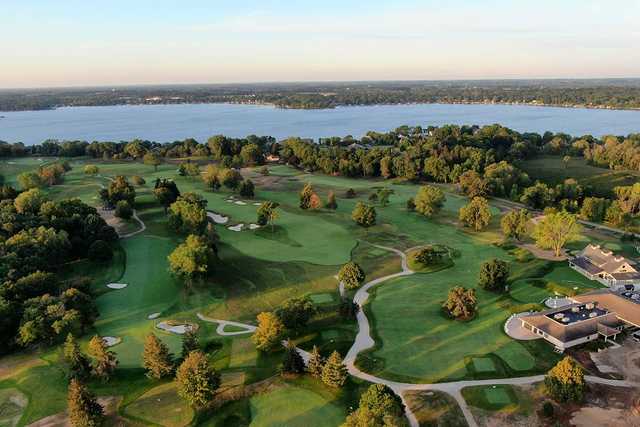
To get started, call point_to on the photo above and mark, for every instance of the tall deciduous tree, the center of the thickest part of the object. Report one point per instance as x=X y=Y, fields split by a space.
x=152 y=159
x=269 y=332
x=305 y=196
x=429 y=200
x=514 y=223
x=379 y=406
x=296 y=312
x=476 y=214
x=555 y=230
x=352 y=275
x=196 y=380
x=461 y=303
x=364 y=215
x=565 y=382
x=192 y=260
x=156 y=358
x=494 y=275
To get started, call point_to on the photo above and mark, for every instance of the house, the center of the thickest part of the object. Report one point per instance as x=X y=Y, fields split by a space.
x=602 y=313
x=613 y=271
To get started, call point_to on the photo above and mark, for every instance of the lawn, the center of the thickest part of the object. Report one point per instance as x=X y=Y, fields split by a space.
x=161 y=405
x=551 y=170
x=435 y=409
x=502 y=398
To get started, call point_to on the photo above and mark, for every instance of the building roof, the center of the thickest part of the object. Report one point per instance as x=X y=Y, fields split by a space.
x=586 y=264
x=626 y=308
x=594 y=257
x=575 y=329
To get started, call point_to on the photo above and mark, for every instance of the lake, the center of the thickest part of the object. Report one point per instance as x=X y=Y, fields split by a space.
x=164 y=123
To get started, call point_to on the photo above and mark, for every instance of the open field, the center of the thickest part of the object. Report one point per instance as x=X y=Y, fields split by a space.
x=551 y=170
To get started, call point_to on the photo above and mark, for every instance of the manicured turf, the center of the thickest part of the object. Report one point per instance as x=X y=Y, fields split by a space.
x=321 y=298
x=161 y=405
x=435 y=409
x=483 y=364
x=294 y=406
x=502 y=398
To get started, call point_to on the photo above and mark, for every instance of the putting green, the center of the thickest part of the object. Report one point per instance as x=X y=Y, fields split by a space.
x=497 y=396
x=483 y=364
x=294 y=406
x=321 y=298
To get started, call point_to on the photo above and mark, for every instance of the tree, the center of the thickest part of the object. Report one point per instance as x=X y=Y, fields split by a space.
x=166 y=192
x=493 y=275
x=138 y=180
x=316 y=363
x=305 y=196
x=188 y=169
x=555 y=230
x=472 y=184
x=187 y=215
x=82 y=406
x=296 y=312
x=461 y=303
x=411 y=204
x=364 y=215
x=334 y=373
x=192 y=260
x=247 y=189
x=29 y=180
x=538 y=196
x=565 y=161
x=383 y=196
x=211 y=177
x=104 y=360
x=120 y=189
x=269 y=332
x=476 y=213
x=91 y=170
x=331 y=201
x=77 y=364
x=123 y=210
x=293 y=362
x=429 y=200
x=29 y=202
x=352 y=275
x=152 y=159
x=100 y=251
x=268 y=213
x=230 y=178
x=429 y=255
x=594 y=209
x=350 y=193
x=196 y=380
x=565 y=381
x=628 y=198
x=379 y=407
x=314 y=202
x=156 y=358
x=189 y=343
x=514 y=223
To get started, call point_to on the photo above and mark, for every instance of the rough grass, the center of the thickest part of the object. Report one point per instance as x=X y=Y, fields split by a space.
x=161 y=405
x=435 y=409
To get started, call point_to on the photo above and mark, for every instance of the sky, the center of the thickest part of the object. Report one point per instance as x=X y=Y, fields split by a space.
x=80 y=43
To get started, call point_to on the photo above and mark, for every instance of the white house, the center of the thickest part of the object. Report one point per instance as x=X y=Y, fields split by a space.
x=607 y=268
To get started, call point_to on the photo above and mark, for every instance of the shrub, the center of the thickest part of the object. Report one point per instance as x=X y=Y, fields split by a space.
x=138 y=180
x=123 y=210
x=494 y=275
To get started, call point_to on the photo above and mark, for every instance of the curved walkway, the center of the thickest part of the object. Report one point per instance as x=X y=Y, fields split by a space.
x=143 y=226
x=364 y=341
x=222 y=323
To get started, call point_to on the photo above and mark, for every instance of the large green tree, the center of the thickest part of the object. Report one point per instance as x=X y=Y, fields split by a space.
x=429 y=200
x=269 y=333
x=352 y=275
x=196 y=380
x=364 y=215
x=493 y=275
x=476 y=214
x=82 y=406
x=514 y=223
x=379 y=407
x=461 y=303
x=555 y=230
x=565 y=382
x=192 y=260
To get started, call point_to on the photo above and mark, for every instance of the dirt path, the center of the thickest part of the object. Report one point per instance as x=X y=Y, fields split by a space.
x=222 y=323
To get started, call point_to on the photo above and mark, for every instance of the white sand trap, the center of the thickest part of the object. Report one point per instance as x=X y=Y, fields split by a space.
x=257 y=204
x=153 y=316
x=117 y=285
x=111 y=341
x=229 y=200
x=236 y=227
x=240 y=202
x=253 y=226
x=11 y=163
x=176 y=329
x=217 y=218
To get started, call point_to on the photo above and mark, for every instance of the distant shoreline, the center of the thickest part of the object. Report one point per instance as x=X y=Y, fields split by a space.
x=285 y=107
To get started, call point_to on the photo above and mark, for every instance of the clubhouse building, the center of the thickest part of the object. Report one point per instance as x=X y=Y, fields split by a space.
x=616 y=272
x=602 y=313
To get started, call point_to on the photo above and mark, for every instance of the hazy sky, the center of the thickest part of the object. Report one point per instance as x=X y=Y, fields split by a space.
x=71 y=42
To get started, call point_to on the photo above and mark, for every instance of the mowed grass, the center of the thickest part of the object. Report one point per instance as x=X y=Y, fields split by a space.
x=550 y=169
x=161 y=405
x=435 y=409
x=294 y=407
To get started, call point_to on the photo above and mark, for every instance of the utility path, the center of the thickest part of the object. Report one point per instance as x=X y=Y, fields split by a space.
x=364 y=341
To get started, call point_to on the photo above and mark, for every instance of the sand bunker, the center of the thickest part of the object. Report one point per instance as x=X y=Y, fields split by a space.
x=236 y=227
x=111 y=341
x=240 y=202
x=253 y=226
x=153 y=316
x=257 y=204
x=117 y=285
x=217 y=218
x=176 y=328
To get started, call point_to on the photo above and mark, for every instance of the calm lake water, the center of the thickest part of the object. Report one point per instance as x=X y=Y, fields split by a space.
x=164 y=123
